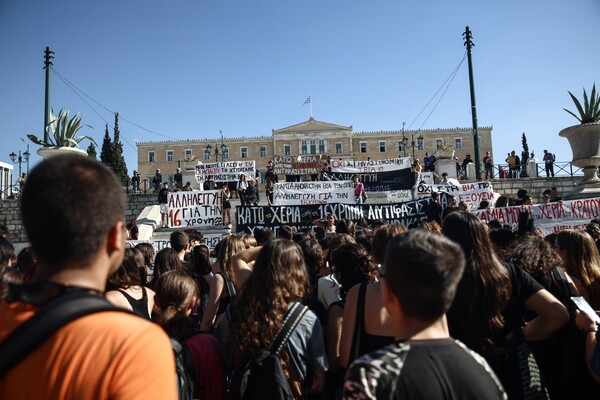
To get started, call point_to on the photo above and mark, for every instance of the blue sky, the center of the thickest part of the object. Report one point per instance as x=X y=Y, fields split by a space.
x=187 y=69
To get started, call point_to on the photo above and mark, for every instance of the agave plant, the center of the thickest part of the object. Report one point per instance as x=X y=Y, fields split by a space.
x=590 y=112
x=63 y=131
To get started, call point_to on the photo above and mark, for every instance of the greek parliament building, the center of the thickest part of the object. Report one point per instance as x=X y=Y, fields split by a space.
x=309 y=137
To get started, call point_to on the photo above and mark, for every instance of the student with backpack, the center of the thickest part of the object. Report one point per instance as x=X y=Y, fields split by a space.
x=200 y=372
x=277 y=341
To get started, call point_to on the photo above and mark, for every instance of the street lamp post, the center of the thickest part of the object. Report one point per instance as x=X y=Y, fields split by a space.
x=419 y=143
x=20 y=159
x=216 y=152
x=404 y=138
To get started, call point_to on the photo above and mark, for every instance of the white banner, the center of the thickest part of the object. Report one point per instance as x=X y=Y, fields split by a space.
x=471 y=193
x=399 y=196
x=368 y=167
x=551 y=217
x=317 y=192
x=226 y=171
x=195 y=209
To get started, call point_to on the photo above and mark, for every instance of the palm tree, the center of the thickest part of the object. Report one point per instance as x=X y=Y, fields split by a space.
x=62 y=131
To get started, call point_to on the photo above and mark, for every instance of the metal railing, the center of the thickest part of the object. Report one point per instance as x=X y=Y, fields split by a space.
x=561 y=169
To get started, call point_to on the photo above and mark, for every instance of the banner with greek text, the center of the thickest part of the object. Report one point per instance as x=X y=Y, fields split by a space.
x=368 y=167
x=225 y=171
x=471 y=193
x=551 y=217
x=318 y=192
x=251 y=218
x=195 y=209
x=299 y=165
x=401 y=179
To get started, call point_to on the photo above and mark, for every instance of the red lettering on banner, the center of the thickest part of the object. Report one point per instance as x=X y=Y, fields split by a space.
x=468 y=187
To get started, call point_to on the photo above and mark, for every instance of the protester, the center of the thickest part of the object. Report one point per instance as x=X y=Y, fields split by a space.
x=502 y=293
x=97 y=356
x=135 y=182
x=163 y=198
x=277 y=279
x=549 y=163
x=241 y=187
x=422 y=271
x=359 y=189
x=224 y=284
x=125 y=287
x=226 y=205
x=488 y=165
x=176 y=297
x=178 y=179
x=156 y=181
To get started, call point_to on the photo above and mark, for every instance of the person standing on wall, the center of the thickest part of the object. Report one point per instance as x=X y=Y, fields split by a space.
x=488 y=165
x=163 y=196
x=549 y=159
x=359 y=189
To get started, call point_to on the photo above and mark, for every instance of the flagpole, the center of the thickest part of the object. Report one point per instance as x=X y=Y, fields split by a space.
x=311 y=114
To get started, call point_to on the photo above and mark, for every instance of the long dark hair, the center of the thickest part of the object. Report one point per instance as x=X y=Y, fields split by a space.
x=475 y=316
x=279 y=278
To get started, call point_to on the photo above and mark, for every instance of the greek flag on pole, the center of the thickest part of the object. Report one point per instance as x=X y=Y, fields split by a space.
x=307 y=101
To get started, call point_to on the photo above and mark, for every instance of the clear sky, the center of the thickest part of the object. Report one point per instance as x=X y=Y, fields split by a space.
x=187 y=69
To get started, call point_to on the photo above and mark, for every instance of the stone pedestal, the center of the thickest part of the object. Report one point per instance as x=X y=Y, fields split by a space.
x=585 y=145
x=446 y=165
x=47 y=152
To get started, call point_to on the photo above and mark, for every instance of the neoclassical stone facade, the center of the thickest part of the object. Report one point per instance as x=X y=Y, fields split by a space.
x=310 y=137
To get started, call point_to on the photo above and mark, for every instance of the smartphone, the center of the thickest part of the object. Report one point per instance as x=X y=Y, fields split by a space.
x=585 y=307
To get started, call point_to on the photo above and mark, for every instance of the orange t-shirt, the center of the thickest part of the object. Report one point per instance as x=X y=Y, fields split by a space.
x=106 y=355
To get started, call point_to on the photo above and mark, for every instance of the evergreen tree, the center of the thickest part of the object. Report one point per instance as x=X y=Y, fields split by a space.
x=106 y=154
x=525 y=152
x=91 y=150
x=118 y=161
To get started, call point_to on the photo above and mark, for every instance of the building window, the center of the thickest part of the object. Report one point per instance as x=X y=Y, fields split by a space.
x=151 y=156
x=225 y=153
x=439 y=143
x=457 y=143
x=363 y=147
x=401 y=145
x=188 y=154
x=169 y=155
x=243 y=152
x=313 y=147
x=206 y=154
x=287 y=150
x=263 y=151
x=303 y=147
x=382 y=146
x=420 y=143
x=322 y=146
x=338 y=148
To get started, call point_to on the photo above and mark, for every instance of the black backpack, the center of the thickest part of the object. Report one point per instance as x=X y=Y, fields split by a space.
x=186 y=372
x=260 y=376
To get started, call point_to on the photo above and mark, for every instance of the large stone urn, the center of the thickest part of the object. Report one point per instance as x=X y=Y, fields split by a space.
x=47 y=152
x=585 y=145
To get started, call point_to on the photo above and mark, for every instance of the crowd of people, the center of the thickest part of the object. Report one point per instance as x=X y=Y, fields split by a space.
x=448 y=307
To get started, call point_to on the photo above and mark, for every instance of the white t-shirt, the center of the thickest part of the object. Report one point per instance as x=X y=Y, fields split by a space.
x=328 y=290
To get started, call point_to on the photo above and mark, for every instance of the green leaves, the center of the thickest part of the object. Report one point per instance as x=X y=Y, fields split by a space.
x=590 y=112
x=62 y=131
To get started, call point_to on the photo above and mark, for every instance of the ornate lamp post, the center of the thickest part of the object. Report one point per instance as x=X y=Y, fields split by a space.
x=20 y=159
x=418 y=144
x=216 y=152
x=404 y=138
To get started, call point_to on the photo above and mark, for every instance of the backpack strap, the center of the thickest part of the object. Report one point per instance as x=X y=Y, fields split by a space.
x=50 y=317
x=291 y=320
x=359 y=328
x=229 y=286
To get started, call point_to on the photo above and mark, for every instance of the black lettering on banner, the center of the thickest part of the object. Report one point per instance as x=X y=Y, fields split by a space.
x=385 y=181
x=273 y=217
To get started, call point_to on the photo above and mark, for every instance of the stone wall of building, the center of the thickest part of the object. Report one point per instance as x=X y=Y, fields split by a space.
x=10 y=214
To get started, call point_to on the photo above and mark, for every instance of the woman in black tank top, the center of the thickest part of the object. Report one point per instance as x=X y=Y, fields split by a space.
x=125 y=287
